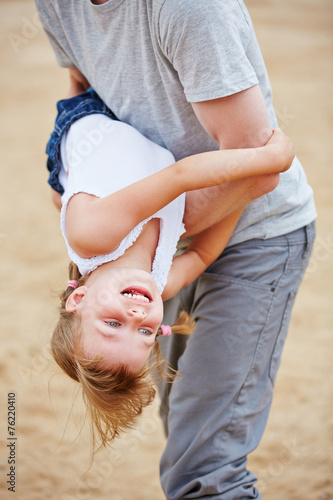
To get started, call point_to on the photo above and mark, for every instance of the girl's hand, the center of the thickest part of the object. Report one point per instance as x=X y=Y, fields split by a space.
x=283 y=147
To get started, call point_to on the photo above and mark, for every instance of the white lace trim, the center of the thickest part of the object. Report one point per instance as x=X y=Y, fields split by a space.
x=163 y=259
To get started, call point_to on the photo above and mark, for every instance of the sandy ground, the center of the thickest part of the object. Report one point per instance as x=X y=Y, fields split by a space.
x=294 y=460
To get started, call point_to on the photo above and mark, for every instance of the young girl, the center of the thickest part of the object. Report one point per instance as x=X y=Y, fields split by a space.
x=122 y=210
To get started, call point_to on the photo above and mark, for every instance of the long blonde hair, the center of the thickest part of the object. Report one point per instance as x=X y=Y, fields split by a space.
x=114 y=398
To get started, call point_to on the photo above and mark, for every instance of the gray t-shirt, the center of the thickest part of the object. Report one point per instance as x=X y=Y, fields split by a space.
x=149 y=59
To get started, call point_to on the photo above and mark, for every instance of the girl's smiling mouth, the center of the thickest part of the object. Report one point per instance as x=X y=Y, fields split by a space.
x=137 y=294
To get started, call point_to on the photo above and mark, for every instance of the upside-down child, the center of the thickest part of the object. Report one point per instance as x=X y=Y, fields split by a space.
x=122 y=214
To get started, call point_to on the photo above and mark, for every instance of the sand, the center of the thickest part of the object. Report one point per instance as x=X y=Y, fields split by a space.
x=294 y=459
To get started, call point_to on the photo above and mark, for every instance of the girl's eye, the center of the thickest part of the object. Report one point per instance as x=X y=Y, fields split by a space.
x=144 y=331
x=114 y=324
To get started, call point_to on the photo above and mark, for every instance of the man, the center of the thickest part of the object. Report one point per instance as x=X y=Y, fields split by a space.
x=190 y=76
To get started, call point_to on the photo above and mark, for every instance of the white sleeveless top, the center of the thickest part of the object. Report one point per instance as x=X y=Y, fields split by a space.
x=100 y=156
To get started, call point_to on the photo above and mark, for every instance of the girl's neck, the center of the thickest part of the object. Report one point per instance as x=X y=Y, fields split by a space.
x=141 y=254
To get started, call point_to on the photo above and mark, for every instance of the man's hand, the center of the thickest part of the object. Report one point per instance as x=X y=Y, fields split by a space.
x=56 y=198
x=78 y=83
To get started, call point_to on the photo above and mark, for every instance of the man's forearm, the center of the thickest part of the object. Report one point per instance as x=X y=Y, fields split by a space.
x=206 y=207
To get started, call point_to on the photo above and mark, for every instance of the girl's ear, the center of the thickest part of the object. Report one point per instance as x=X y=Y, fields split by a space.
x=75 y=298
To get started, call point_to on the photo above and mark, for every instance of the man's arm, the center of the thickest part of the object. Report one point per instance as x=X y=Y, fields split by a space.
x=236 y=121
x=93 y=234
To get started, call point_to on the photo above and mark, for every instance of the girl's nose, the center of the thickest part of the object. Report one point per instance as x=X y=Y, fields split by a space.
x=137 y=313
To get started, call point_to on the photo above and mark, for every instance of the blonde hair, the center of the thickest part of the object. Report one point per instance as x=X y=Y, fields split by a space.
x=114 y=398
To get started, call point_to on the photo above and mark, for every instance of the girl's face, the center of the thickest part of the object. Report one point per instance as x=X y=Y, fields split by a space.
x=120 y=312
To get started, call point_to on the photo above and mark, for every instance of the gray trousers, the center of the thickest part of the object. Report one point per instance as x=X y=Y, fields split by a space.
x=216 y=411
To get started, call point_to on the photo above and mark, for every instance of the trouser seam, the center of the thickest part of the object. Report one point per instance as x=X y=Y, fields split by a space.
x=274 y=291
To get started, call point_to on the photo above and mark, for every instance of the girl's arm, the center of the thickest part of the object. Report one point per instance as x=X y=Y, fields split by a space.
x=108 y=220
x=203 y=250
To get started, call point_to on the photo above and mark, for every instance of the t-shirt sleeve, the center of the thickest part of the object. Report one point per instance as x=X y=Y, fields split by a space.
x=55 y=33
x=206 y=42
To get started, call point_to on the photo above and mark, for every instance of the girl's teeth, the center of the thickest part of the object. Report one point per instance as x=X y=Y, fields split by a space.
x=136 y=296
